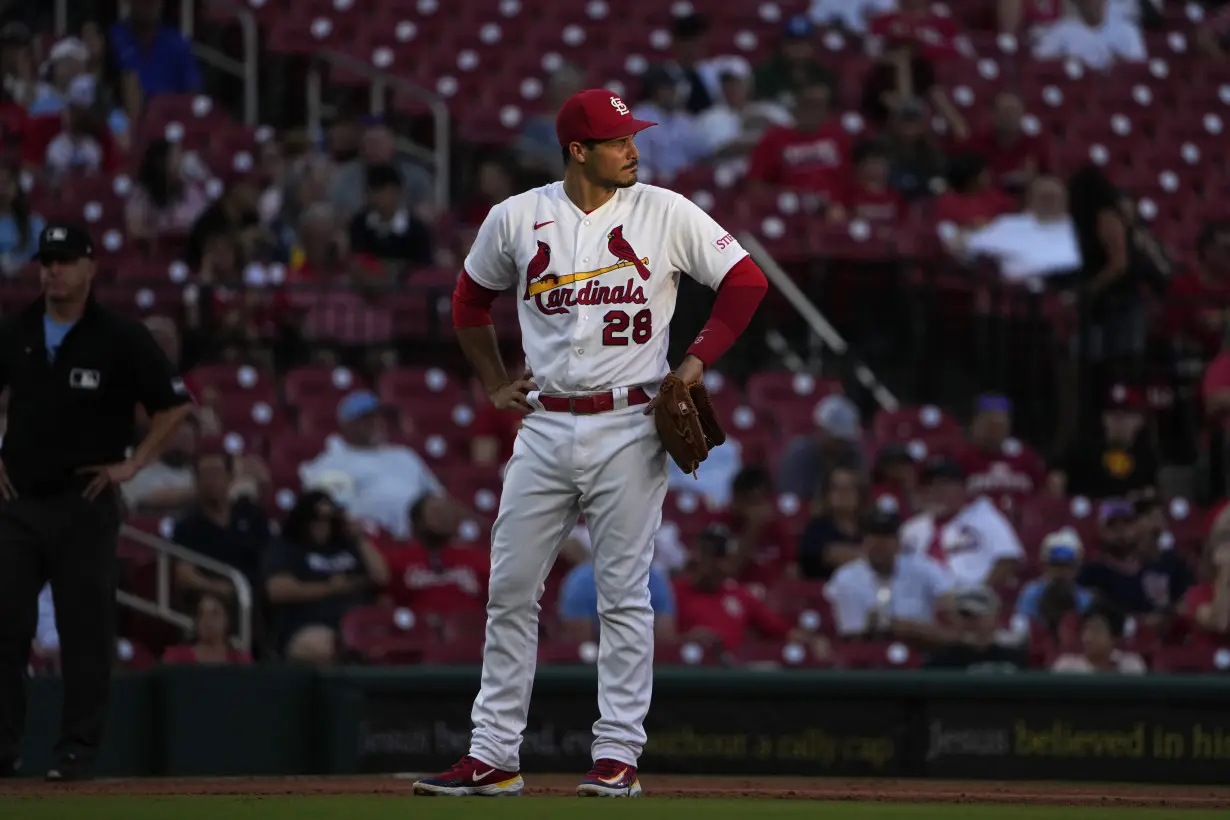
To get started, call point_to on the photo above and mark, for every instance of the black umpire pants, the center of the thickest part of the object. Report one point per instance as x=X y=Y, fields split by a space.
x=71 y=542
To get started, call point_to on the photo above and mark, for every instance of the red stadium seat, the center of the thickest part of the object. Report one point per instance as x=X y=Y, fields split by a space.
x=384 y=635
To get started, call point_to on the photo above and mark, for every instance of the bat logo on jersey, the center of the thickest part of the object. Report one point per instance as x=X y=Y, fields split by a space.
x=620 y=248
x=553 y=295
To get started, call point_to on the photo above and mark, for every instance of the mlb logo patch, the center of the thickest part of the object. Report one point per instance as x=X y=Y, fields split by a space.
x=83 y=379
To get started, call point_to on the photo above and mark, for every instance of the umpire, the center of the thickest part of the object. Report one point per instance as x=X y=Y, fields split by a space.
x=76 y=372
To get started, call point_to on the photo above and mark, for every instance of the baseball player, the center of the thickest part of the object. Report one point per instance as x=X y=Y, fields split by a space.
x=594 y=263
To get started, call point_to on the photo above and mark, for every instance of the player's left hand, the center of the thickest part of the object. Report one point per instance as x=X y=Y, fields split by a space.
x=108 y=475
x=690 y=371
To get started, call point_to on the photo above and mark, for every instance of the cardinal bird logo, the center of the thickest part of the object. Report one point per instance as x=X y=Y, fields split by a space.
x=537 y=265
x=622 y=250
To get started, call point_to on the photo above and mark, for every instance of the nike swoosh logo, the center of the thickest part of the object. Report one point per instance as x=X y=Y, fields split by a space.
x=538 y=225
x=611 y=781
x=478 y=778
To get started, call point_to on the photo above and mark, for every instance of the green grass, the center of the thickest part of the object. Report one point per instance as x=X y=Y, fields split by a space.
x=543 y=808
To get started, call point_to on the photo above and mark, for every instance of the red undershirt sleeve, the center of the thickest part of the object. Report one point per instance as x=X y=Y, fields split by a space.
x=472 y=303
x=740 y=293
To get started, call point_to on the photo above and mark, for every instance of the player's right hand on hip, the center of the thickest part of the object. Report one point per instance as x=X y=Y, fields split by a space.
x=512 y=396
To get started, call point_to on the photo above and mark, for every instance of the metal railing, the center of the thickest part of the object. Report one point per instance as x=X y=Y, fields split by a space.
x=817 y=321
x=438 y=155
x=165 y=551
x=246 y=69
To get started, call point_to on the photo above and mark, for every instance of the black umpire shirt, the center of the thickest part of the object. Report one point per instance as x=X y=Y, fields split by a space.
x=77 y=411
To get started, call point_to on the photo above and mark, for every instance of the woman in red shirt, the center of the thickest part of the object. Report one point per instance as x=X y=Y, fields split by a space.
x=212 y=644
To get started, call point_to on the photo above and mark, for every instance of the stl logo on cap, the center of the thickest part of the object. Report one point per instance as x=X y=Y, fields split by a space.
x=620 y=106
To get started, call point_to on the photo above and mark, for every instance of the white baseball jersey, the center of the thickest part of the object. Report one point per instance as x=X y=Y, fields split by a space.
x=597 y=290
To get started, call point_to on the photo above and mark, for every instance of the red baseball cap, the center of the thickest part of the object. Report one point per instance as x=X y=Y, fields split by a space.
x=596 y=114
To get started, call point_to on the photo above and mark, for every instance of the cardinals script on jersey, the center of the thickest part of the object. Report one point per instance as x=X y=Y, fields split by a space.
x=598 y=290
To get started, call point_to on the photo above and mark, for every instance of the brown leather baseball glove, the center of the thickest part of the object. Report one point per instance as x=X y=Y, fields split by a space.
x=686 y=422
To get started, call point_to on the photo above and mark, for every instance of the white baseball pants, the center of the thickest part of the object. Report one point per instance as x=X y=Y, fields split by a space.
x=611 y=467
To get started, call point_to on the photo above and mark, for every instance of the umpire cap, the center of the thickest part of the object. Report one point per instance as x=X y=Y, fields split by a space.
x=64 y=242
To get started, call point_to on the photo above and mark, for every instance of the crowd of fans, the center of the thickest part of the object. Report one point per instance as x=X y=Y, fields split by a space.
x=868 y=538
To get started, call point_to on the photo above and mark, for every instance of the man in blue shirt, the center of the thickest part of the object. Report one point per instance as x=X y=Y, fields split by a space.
x=1049 y=598
x=157 y=55
x=578 y=604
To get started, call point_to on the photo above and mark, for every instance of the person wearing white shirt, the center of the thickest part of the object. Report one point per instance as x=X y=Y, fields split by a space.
x=885 y=593
x=1101 y=629
x=1037 y=243
x=676 y=142
x=971 y=537
x=735 y=125
x=852 y=15
x=387 y=478
x=1092 y=35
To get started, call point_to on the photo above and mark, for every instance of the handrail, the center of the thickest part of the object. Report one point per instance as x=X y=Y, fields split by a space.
x=439 y=154
x=247 y=69
x=161 y=606
x=815 y=319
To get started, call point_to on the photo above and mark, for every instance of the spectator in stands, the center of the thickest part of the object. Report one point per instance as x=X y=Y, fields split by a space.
x=832 y=536
x=1092 y=36
x=894 y=479
x=808 y=458
x=1101 y=630
x=494 y=183
x=909 y=42
x=378 y=146
x=733 y=126
x=73 y=143
x=1111 y=306
x=764 y=549
x=168 y=485
x=916 y=159
x=155 y=59
x=979 y=645
x=210 y=636
x=1198 y=300
x=1119 y=461
x=886 y=594
x=813 y=156
x=721 y=467
x=580 y=601
x=972 y=201
x=235 y=213
x=387 y=229
x=1014 y=156
x=1033 y=245
x=1001 y=467
x=168 y=197
x=228 y=529
x=1048 y=599
x=272 y=168
x=851 y=15
x=717 y=611
x=1149 y=586
x=388 y=478
x=691 y=68
x=19 y=228
x=65 y=62
x=432 y=574
x=18 y=64
x=314 y=574
x=321 y=248
x=867 y=195
x=679 y=142
x=1206 y=607
x=970 y=536
x=537 y=147
x=794 y=66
